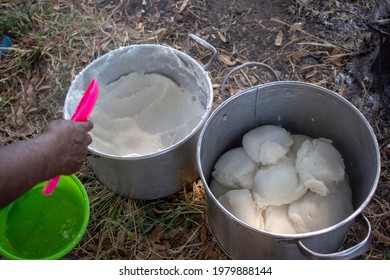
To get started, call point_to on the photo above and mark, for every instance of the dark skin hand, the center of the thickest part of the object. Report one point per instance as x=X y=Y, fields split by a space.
x=59 y=150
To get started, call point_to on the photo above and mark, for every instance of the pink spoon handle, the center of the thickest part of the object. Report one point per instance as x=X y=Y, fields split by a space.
x=87 y=102
x=50 y=185
x=81 y=114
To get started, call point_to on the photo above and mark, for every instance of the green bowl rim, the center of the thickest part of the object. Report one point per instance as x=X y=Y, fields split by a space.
x=79 y=235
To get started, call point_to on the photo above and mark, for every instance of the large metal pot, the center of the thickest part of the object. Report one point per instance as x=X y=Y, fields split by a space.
x=164 y=172
x=300 y=108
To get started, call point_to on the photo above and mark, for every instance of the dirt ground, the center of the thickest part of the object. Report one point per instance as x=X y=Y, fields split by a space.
x=327 y=43
x=273 y=32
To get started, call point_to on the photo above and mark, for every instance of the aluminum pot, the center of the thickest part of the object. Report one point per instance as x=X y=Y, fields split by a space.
x=164 y=172
x=301 y=108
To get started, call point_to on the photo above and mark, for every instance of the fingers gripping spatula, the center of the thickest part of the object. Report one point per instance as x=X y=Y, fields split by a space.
x=81 y=114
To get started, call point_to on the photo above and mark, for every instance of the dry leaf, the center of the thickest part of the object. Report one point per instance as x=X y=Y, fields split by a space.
x=225 y=59
x=28 y=74
x=20 y=116
x=108 y=27
x=160 y=247
x=311 y=74
x=33 y=110
x=30 y=90
x=183 y=5
x=56 y=5
x=203 y=234
x=296 y=56
x=140 y=27
x=210 y=253
x=244 y=81
x=297 y=26
x=381 y=237
x=223 y=38
x=336 y=58
x=279 y=38
x=133 y=34
x=241 y=60
x=120 y=238
x=294 y=38
x=85 y=59
x=35 y=79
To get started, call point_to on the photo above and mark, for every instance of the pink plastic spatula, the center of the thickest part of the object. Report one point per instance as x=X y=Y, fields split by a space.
x=81 y=114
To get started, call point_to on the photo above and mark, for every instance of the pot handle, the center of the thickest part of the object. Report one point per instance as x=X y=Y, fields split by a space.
x=347 y=254
x=206 y=45
x=247 y=64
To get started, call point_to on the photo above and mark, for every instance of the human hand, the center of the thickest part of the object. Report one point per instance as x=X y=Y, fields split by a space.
x=67 y=143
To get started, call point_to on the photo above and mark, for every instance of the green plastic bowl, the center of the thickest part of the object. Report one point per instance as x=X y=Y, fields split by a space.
x=42 y=227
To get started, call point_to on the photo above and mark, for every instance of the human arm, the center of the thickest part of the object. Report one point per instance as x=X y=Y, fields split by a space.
x=59 y=150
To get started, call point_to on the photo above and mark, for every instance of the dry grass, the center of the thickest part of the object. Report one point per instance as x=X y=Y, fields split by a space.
x=54 y=40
